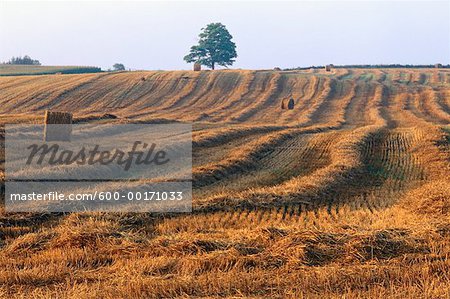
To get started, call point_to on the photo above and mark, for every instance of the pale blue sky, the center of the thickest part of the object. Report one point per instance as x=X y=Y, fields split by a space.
x=156 y=35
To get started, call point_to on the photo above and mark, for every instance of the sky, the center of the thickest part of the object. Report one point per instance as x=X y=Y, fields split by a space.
x=155 y=35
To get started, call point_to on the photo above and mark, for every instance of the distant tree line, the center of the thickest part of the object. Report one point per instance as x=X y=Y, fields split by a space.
x=26 y=60
x=55 y=70
x=369 y=66
x=81 y=70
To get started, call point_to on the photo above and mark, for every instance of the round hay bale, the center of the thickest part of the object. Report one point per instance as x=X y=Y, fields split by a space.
x=291 y=104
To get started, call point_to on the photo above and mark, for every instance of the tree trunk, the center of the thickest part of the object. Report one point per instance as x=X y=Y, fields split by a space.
x=212 y=66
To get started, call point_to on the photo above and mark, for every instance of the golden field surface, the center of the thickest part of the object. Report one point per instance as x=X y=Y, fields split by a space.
x=346 y=195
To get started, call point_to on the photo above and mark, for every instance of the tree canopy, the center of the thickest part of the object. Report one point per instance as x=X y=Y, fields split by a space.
x=215 y=47
x=118 y=67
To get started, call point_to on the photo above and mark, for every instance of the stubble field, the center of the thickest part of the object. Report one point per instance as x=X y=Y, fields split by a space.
x=347 y=194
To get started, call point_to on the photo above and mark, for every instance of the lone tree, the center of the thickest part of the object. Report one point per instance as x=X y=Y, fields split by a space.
x=118 y=67
x=215 y=47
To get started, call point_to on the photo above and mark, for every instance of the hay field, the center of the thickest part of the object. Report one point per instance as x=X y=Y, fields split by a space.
x=347 y=194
